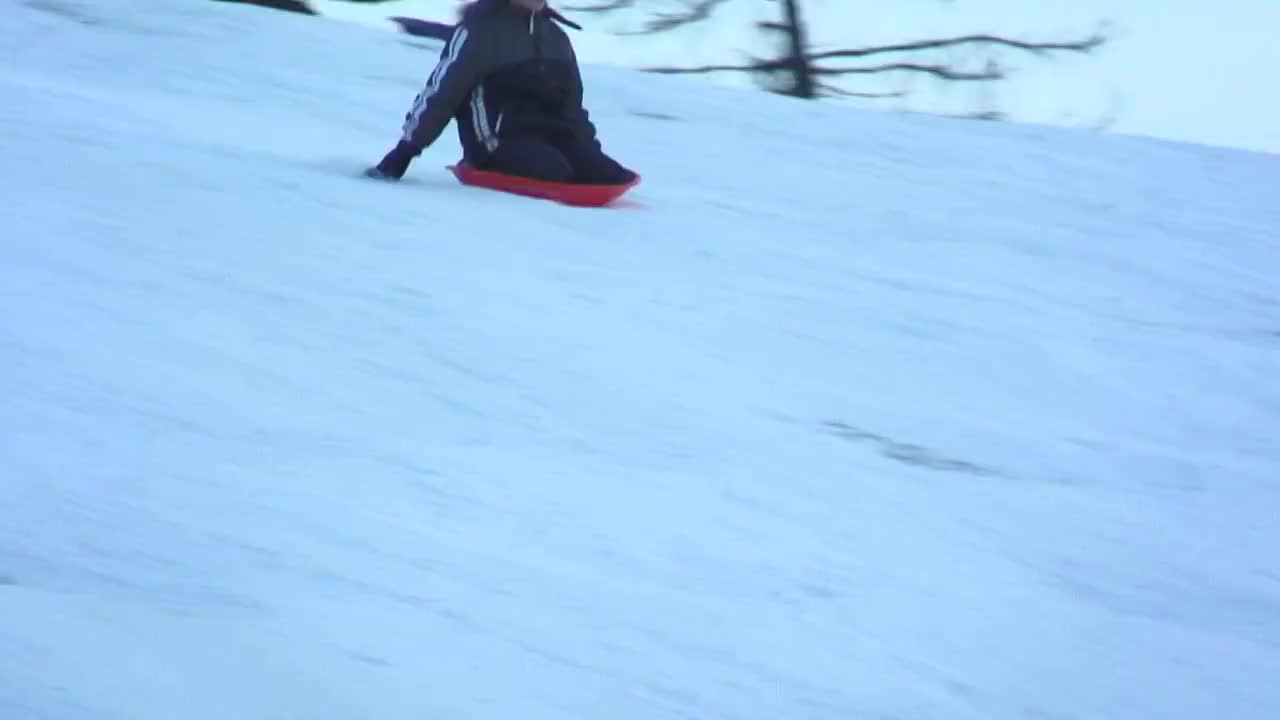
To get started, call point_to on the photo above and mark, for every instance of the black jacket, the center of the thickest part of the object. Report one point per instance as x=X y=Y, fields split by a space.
x=505 y=72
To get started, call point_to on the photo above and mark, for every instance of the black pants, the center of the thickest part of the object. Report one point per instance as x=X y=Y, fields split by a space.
x=557 y=161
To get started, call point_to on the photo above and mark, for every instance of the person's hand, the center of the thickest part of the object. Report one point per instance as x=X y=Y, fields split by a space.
x=395 y=163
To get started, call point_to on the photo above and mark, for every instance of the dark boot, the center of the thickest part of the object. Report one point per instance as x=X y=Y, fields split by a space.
x=592 y=166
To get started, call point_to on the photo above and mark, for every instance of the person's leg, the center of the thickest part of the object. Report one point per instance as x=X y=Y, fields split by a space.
x=592 y=165
x=531 y=158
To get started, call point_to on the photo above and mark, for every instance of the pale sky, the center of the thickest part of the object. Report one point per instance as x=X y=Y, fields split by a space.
x=1195 y=70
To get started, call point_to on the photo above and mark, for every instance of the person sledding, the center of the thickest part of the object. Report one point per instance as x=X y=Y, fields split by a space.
x=509 y=77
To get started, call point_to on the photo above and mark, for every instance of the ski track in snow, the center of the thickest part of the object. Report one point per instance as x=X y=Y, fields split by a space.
x=841 y=415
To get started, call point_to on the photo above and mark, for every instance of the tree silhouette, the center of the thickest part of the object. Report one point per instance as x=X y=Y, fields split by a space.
x=801 y=71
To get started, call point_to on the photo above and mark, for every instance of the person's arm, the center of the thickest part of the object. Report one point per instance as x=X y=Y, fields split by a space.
x=574 y=111
x=463 y=64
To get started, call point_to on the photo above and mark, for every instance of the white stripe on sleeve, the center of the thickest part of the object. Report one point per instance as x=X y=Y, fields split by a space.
x=433 y=83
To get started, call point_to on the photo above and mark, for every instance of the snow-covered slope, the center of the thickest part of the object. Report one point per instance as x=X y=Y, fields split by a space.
x=842 y=416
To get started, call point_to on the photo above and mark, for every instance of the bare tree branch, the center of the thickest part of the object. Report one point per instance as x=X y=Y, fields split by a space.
x=940 y=71
x=693 y=12
x=1039 y=48
x=702 y=69
x=837 y=90
x=601 y=8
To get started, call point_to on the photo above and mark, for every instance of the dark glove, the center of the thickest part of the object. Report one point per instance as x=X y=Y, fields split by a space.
x=396 y=162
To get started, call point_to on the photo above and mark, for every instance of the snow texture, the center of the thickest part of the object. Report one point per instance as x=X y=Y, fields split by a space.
x=841 y=415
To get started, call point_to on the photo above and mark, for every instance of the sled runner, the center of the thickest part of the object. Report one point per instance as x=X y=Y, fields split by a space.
x=576 y=194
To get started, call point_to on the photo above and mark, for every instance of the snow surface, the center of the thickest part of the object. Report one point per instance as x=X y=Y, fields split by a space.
x=842 y=415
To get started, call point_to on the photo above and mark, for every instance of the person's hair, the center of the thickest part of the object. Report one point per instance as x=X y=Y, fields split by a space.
x=471 y=7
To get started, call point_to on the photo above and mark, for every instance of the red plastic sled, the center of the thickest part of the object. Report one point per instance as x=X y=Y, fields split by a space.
x=577 y=194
